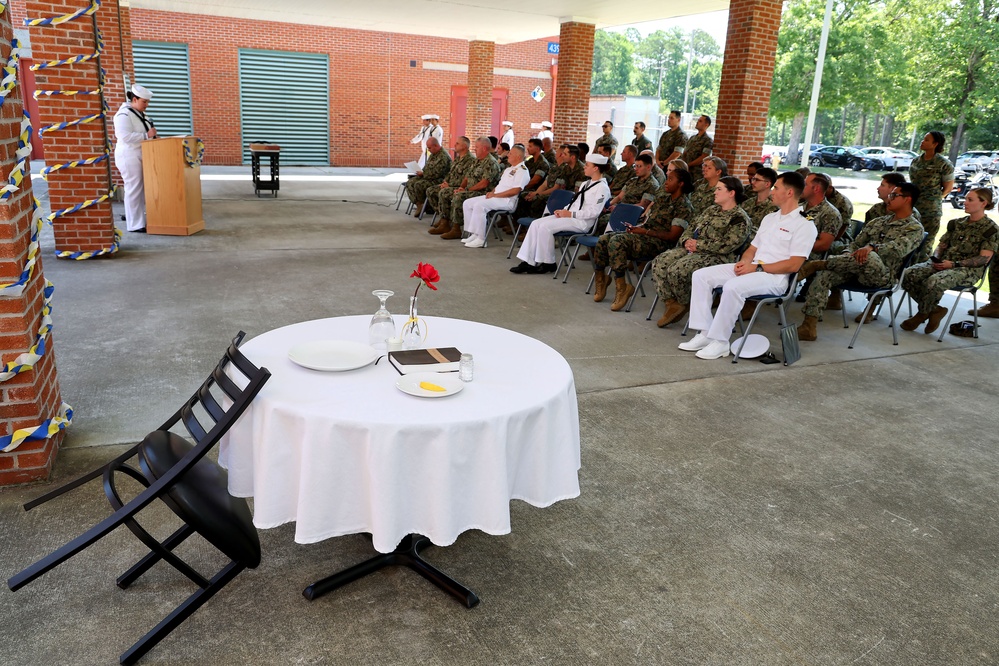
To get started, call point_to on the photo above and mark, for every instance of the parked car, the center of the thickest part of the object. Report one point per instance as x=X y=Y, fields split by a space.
x=846 y=158
x=978 y=160
x=893 y=158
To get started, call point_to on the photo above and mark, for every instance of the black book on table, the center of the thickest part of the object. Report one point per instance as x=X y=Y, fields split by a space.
x=435 y=359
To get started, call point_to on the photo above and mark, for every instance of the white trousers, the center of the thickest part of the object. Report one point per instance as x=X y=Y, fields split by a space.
x=129 y=163
x=735 y=289
x=475 y=210
x=539 y=243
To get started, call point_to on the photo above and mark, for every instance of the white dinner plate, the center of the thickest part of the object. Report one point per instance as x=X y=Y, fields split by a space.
x=448 y=381
x=332 y=355
x=756 y=345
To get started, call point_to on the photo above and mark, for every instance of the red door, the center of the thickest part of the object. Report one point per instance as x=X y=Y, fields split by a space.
x=459 y=104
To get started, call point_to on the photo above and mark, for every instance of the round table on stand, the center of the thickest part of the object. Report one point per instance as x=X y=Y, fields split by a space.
x=348 y=452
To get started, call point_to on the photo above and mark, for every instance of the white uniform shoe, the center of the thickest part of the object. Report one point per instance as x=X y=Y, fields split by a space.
x=715 y=349
x=699 y=342
x=477 y=241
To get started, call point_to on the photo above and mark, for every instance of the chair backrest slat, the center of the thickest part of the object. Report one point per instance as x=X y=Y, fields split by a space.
x=190 y=421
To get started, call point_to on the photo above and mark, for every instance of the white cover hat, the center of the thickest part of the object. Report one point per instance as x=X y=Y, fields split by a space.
x=507 y=122
x=546 y=123
x=434 y=116
x=426 y=116
x=142 y=92
x=596 y=158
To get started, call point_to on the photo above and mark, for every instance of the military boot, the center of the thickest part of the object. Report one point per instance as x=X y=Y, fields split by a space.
x=835 y=301
x=417 y=209
x=440 y=226
x=811 y=268
x=934 y=319
x=622 y=293
x=991 y=310
x=672 y=313
x=913 y=322
x=807 y=330
x=871 y=316
x=453 y=233
x=600 y=280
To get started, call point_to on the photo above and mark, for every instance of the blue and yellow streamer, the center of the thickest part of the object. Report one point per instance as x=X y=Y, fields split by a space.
x=43 y=430
x=15 y=289
x=27 y=360
x=80 y=256
x=65 y=18
x=190 y=159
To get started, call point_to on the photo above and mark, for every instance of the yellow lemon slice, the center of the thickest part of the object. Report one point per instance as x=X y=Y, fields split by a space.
x=431 y=387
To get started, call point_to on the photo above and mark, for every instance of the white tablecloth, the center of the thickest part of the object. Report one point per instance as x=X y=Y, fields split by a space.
x=348 y=452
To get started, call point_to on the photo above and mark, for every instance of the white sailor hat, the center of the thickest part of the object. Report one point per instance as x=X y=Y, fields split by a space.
x=142 y=92
x=546 y=123
x=507 y=122
x=426 y=116
x=434 y=116
x=596 y=158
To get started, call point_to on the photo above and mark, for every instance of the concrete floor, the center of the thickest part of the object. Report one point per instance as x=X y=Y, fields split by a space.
x=838 y=511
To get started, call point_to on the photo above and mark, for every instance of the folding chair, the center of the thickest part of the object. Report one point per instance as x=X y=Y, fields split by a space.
x=875 y=293
x=966 y=289
x=556 y=200
x=621 y=215
x=717 y=291
x=195 y=488
x=401 y=192
x=491 y=225
x=780 y=300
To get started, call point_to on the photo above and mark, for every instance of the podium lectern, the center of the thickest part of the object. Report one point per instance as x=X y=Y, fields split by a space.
x=173 y=189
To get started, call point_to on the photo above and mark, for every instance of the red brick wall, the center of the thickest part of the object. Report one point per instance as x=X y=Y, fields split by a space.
x=479 y=111
x=90 y=229
x=30 y=397
x=376 y=97
x=575 y=73
x=747 y=74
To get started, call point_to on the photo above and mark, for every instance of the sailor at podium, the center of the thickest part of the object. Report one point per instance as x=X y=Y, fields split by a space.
x=131 y=127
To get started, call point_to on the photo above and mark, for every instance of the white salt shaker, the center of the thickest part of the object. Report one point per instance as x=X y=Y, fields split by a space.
x=466 y=368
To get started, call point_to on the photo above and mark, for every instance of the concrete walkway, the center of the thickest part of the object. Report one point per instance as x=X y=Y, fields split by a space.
x=838 y=511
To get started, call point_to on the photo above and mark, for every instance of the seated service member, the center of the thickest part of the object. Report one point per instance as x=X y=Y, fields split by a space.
x=780 y=247
x=964 y=250
x=440 y=196
x=712 y=169
x=537 y=164
x=431 y=175
x=760 y=204
x=612 y=168
x=657 y=171
x=873 y=258
x=626 y=172
x=480 y=179
x=537 y=253
x=656 y=232
x=711 y=239
x=503 y=197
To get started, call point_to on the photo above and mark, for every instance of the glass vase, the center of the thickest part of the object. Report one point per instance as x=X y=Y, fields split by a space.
x=412 y=336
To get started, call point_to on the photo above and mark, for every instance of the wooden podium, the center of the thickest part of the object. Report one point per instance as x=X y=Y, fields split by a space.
x=173 y=189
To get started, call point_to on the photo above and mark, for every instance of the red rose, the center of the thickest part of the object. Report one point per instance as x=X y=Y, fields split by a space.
x=427 y=273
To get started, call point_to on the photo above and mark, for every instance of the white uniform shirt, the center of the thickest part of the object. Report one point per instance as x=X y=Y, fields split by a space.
x=129 y=130
x=590 y=204
x=515 y=176
x=781 y=237
x=508 y=138
x=421 y=137
x=546 y=134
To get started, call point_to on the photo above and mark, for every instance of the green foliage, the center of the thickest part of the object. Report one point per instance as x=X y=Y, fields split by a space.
x=612 y=63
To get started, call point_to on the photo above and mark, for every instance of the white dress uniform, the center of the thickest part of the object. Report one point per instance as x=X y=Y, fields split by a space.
x=779 y=238
x=475 y=209
x=130 y=130
x=539 y=243
x=421 y=138
x=508 y=137
x=546 y=131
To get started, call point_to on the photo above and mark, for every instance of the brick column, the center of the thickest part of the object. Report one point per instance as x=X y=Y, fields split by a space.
x=117 y=62
x=90 y=229
x=572 y=89
x=746 y=80
x=479 y=112
x=31 y=397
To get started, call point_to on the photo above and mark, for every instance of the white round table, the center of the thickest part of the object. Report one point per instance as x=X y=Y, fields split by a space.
x=348 y=452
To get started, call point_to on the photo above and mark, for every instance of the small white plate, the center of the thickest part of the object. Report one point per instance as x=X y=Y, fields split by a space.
x=448 y=381
x=756 y=345
x=332 y=355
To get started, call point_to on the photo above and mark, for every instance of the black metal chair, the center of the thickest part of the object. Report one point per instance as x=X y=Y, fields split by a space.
x=195 y=488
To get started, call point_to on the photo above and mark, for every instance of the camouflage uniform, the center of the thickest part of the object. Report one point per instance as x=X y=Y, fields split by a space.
x=606 y=140
x=880 y=209
x=536 y=165
x=670 y=142
x=434 y=171
x=757 y=211
x=571 y=176
x=635 y=191
x=536 y=207
x=658 y=174
x=703 y=197
x=963 y=239
x=841 y=203
x=641 y=143
x=440 y=198
x=611 y=172
x=623 y=175
x=550 y=156
x=486 y=168
x=826 y=219
x=697 y=145
x=930 y=176
x=719 y=234
x=895 y=239
x=617 y=249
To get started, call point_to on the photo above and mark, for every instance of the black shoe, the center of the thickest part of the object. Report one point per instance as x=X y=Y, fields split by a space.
x=547 y=268
x=138 y=231
x=522 y=267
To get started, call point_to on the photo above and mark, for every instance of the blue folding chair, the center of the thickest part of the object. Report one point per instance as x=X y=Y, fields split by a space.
x=556 y=200
x=621 y=215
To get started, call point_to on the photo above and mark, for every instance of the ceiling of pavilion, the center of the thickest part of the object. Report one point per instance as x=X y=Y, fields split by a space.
x=501 y=21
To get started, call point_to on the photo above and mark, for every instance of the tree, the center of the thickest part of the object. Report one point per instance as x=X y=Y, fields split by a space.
x=612 y=63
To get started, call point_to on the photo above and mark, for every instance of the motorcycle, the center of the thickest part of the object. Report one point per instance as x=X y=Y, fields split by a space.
x=963 y=183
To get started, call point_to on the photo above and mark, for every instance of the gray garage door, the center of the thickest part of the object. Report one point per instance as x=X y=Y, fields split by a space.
x=163 y=68
x=284 y=99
